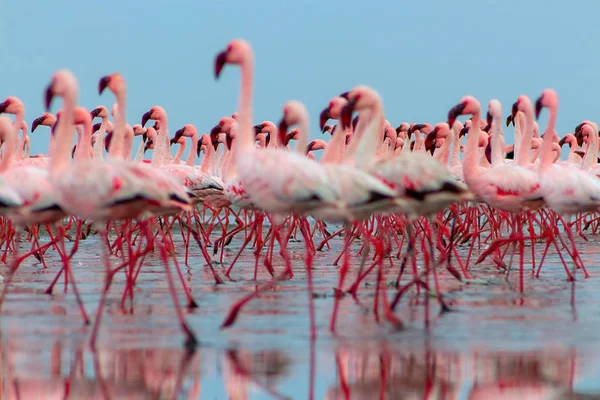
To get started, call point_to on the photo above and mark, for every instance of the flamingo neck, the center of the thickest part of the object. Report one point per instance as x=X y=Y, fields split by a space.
x=472 y=156
x=334 y=151
x=179 y=153
x=117 y=141
x=9 y=147
x=193 y=150
x=139 y=154
x=455 y=160
x=19 y=117
x=546 y=152
x=127 y=143
x=206 y=160
x=99 y=145
x=244 y=141
x=497 y=142
x=61 y=151
x=83 y=144
x=525 y=145
x=591 y=155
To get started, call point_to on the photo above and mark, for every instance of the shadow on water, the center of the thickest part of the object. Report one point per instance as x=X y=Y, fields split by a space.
x=495 y=344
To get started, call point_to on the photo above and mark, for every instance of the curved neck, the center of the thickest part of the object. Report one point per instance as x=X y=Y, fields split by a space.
x=245 y=138
x=179 y=153
x=546 y=153
x=591 y=155
x=193 y=150
x=497 y=142
x=208 y=157
x=117 y=142
x=526 y=136
x=334 y=151
x=83 y=145
x=455 y=160
x=61 y=151
x=139 y=154
x=19 y=117
x=10 y=140
x=127 y=143
x=472 y=155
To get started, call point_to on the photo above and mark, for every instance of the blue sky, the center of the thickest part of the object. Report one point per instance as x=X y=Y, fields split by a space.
x=422 y=56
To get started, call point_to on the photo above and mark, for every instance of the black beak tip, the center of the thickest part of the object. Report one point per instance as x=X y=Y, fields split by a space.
x=538 y=108
x=103 y=83
x=220 y=62
x=48 y=97
x=146 y=118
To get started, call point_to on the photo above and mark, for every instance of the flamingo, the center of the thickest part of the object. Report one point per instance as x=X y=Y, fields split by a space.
x=508 y=187
x=100 y=191
x=567 y=190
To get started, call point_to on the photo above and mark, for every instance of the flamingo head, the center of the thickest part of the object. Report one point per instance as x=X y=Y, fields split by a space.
x=548 y=99
x=99 y=112
x=238 y=51
x=494 y=111
x=12 y=105
x=315 y=145
x=156 y=113
x=360 y=98
x=293 y=135
x=294 y=113
x=426 y=128
x=328 y=129
x=82 y=116
x=138 y=130
x=188 y=130
x=113 y=82
x=63 y=82
x=467 y=105
x=46 y=119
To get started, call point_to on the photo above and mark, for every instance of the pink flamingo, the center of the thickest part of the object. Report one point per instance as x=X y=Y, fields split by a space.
x=100 y=191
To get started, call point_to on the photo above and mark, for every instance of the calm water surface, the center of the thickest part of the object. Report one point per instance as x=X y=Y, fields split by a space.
x=495 y=344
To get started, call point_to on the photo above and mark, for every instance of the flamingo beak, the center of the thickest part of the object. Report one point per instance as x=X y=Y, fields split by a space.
x=430 y=141
x=310 y=147
x=199 y=147
x=562 y=141
x=103 y=83
x=3 y=106
x=282 y=131
x=146 y=117
x=463 y=131
x=95 y=112
x=514 y=110
x=347 y=111
x=489 y=118
x=510 y=119
x=48 y=97
x=323 y=118
x=345 y=95
x=258 y=128
x=578 y=128
x=220 y=62
x=416 y=127
x=487 y=128
x=538 y=107
x=214 y=132
x=454 y=113
x=37 y=122
x=177 y=136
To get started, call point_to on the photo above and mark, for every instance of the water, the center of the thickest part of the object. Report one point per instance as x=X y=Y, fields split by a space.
x=495 y=344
